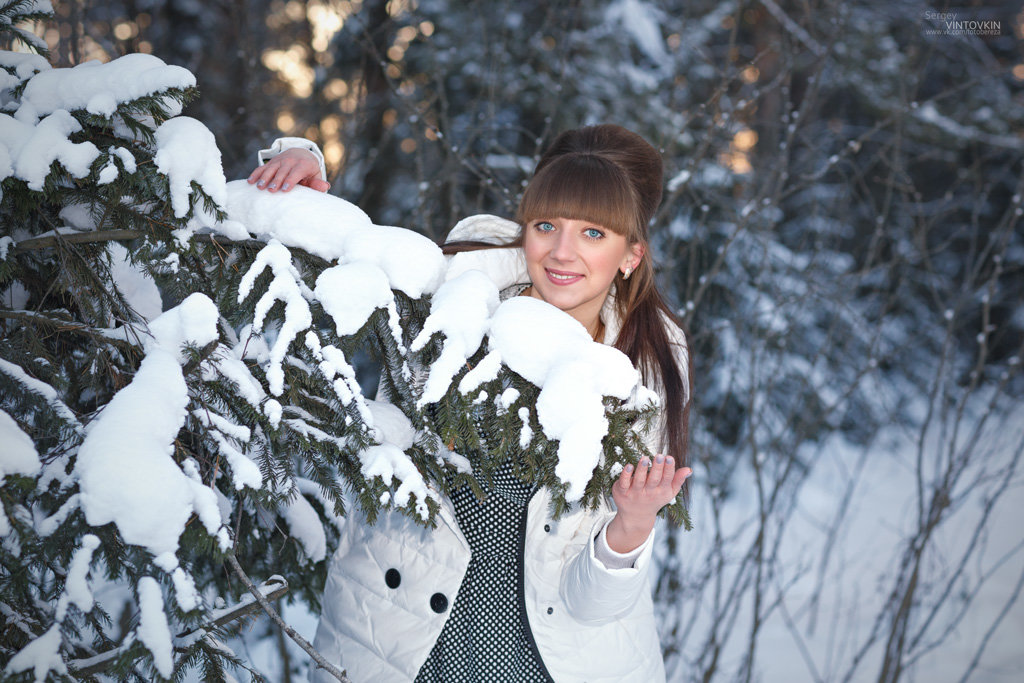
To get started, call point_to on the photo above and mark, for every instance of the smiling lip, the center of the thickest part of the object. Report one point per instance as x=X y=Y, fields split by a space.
x=561 y=277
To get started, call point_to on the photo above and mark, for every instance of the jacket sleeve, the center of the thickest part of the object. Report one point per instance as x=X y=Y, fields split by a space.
x=281 y=144
x=595 y=594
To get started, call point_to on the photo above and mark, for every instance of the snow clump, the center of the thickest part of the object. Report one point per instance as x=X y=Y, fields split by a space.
x=187 y=153
x=553 y=351
x=100 y=87
x=335 y=230
x=125 y=467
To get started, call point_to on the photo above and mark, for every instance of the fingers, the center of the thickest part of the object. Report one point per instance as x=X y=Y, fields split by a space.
x=298 y=173
x=266 y=176
x=648 y=475
x=625 y=480
x=681 y=475
x=659 y=470
x=317 y=184
x=643 y=470
x=280 y=176
x=258 y=174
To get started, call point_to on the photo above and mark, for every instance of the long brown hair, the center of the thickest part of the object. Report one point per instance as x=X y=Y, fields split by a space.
x=612 y=177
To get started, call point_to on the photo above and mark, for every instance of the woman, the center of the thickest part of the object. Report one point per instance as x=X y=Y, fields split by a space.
x=499 y=591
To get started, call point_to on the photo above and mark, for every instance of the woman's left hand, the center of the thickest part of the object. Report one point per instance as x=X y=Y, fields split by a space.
x=639 y=493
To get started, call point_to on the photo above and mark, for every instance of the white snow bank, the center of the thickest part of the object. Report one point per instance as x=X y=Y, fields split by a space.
x=187 y=152
x=389 y=462
x=99 y=88
x=413 y=263
x=487 y=369
x=47 y=526
x=193 y=321
x=125 y=467
x=185 y=590
x=553 y=351
x=334 y=229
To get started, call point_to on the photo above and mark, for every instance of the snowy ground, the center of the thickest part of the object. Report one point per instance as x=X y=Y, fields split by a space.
x=823 y=602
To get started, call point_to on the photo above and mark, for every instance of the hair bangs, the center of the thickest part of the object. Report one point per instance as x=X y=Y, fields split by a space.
x=582 y=187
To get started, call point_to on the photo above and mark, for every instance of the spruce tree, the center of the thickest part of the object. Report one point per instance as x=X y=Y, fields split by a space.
x=179 y=402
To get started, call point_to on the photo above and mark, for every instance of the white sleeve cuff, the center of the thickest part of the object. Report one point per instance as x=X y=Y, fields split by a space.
x=614 y=560
x=281 y=144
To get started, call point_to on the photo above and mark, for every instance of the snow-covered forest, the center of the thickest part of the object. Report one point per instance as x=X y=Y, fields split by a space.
x=188 y=367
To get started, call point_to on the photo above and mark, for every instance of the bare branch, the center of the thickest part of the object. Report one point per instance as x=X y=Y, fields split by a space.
x=272 y=613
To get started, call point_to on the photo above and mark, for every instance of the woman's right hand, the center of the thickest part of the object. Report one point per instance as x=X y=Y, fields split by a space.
x=286 y=170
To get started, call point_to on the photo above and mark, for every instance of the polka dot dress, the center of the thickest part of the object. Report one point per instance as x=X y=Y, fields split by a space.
x=487 y=638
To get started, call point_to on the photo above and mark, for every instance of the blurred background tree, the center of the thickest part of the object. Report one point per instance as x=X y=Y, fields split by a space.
x=841 y=233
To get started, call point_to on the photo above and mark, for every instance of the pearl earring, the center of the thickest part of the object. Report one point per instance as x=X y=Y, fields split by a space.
x=627 y=272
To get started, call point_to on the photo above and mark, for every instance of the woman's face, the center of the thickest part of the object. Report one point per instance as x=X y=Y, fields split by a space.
x=572 y=264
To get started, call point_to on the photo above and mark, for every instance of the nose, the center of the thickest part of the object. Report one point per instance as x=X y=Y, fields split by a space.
x=564 y=248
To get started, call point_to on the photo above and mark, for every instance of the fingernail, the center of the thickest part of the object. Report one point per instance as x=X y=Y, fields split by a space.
x=285 y=187
x=670 y=460
x=262 y=184
x=645 y=461
x=660 y=459
x=629 y=468
x=273 y=187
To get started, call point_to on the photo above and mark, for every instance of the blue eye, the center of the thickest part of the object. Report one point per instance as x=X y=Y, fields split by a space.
x=544 y=226
x=593 y=233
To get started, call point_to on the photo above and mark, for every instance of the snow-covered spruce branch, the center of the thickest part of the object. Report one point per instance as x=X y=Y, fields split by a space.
x=264 y=603
x=58 y=325
x=273 y=588
x=49 y=241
